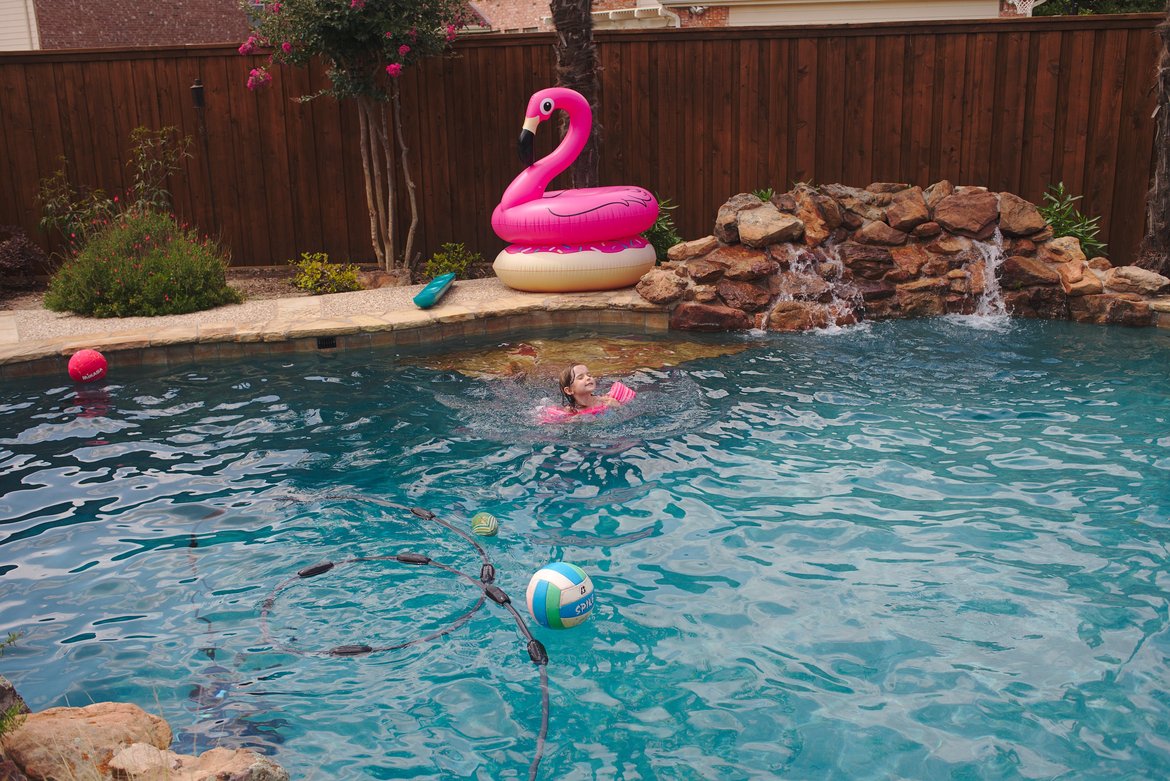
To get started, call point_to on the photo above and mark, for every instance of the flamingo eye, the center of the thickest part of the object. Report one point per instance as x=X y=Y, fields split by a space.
x=546 y=106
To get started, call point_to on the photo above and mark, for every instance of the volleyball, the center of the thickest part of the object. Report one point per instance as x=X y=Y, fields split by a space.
x=87 y=366
x=484 y=524
x=560 y=596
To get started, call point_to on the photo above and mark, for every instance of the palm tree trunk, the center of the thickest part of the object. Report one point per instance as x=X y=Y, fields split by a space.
x=577 y=67
x=1156 y=246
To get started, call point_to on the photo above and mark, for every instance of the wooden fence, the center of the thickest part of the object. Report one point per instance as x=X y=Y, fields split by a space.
x=694 y=115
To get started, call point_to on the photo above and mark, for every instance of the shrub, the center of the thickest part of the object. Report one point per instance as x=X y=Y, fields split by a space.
x=19 y=257
x=451 y=257
x=78 y=215
x=142 y=264
x=318 y=276
x=764 y=194
x=662 y=235
x=13 y=717
x=1060 y=211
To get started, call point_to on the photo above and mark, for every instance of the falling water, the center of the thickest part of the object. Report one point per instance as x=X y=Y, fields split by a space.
x=989 y=306
x=824 y=264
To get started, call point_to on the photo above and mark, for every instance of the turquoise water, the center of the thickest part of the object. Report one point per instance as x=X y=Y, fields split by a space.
x=912 y=550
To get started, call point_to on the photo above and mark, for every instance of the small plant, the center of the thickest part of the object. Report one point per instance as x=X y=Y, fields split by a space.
x=1060 y=211
x=14 y=716
x=451 y=258
x=142 y=264
x=318 y=276
x=662 y=235
x=19 y=257
x=764 y=194
x=77 y=215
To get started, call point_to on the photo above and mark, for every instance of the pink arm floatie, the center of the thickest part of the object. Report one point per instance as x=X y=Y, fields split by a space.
x=620 y=393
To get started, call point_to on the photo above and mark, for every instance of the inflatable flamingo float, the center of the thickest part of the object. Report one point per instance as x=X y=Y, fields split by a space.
x=569 y=240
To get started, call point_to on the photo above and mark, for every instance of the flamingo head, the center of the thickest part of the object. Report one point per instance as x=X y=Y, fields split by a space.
x=540 y=107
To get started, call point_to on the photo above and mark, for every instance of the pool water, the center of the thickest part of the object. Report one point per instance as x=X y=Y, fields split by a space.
x=918 y=550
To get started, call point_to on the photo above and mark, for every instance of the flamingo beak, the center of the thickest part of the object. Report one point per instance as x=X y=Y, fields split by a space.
x=524 y=147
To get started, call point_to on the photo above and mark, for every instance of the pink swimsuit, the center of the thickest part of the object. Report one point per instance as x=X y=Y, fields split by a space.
x=619 y=393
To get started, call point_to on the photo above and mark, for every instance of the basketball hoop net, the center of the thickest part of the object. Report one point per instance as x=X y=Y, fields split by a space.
x=1023 y=7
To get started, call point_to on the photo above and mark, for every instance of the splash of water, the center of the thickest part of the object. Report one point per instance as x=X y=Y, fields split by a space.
x=824 y=264
x=990 y=310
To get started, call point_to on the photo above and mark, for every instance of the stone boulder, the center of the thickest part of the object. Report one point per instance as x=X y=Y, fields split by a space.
x=1018 y=217
x=968 y=213
x=748 y=268
x=797 y=316
x=1066 y=249
x=71 y=743
x=766 y=225
x=743 y=295
x=9 y=698
x=694 y=316
x=936 y=192
x=141 y=762
x=1111 y=309
x=1131 y=279
x=819 y=214
x=686 y=250
x=862 y=203
x=1020 y=272
x=727 y=220
x=908 y=210
x=705 y=271
x=880 y=233
x=802 y=287
x=661 y=286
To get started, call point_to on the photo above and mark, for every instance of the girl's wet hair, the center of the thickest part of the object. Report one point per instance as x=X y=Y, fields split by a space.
x=566 y=379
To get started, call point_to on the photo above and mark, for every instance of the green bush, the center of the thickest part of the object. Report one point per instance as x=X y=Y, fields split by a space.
x=451 y=258
x=142 y=264
x=764 y=194
x=662 y=235
x=1059 y=210
x=318 y=276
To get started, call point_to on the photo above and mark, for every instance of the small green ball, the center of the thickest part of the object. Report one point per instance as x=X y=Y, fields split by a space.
x=485 y=524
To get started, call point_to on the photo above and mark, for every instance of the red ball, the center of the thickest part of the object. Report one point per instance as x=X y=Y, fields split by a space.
x=87 y=366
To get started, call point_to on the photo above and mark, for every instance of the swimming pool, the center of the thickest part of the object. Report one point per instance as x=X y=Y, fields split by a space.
x=915 y=549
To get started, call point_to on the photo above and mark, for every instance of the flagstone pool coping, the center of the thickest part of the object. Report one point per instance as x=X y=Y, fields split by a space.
x=37 y=342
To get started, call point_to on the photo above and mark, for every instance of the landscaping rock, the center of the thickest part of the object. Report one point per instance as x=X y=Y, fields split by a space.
x=766 y=225
x=908 y=210
x=926 y=230
x=71 y=743
x=1111 y=309
x=1066 y=249
x=691 y=316
x=745 y=269
x=661 y=286
x=875 y=232
x=819 y=214
x=692 y=249
x=1019 y=272
x=704 y=271
x=969 y=213
x=9 y=698
x=936 y=192
x=726 y=221
x=743 y=295
x=1018 y=217
x=141 y=762
x=1131 y=279
x=797 y=316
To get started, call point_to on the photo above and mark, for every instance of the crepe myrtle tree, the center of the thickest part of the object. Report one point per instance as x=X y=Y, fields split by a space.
x=366 y=45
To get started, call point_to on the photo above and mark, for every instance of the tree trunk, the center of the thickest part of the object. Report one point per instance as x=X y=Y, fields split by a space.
x=1156 y=246
x=577 y=67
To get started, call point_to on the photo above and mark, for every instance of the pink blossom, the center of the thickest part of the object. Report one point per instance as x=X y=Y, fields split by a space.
x=249 y=46
x=389 y=34
x=403 y=50
x=357 y=5
x=274 y=8
x=450 y=33
x=286 y=47
x=394 y=69
x=413 y=33
x=258 y=79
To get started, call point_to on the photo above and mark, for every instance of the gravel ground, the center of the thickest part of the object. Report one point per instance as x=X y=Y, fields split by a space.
x=261 y=290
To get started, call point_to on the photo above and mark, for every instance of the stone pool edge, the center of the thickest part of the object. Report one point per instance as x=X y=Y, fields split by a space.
x=496 y=314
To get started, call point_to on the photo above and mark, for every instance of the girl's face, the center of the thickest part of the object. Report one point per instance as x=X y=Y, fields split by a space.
x=582 y=382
